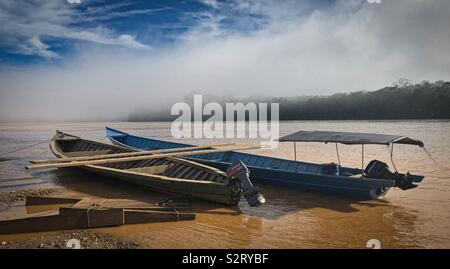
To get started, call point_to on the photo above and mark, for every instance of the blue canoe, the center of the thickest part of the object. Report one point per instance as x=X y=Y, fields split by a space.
x=351 y=182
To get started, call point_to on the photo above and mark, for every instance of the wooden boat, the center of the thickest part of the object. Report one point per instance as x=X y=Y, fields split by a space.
x=171 y=174
x=357 y=183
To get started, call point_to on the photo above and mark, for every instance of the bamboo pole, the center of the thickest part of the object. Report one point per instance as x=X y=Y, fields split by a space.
x=125 y=154
x=135 y=158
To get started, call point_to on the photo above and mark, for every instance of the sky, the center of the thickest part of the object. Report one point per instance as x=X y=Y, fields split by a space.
x=102 y=60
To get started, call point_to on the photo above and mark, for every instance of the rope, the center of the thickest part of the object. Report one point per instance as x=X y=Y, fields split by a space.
x=164 y=203
x=431 y=157
x=26 y=147
x=87 y=213
x=100 y=205
x=174 y=208
x=94 y=205
x=178 y=214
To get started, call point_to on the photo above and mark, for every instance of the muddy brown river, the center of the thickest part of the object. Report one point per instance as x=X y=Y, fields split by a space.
x=418 y=218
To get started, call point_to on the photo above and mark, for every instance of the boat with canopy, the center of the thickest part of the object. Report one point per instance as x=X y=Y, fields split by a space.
x=370 y=182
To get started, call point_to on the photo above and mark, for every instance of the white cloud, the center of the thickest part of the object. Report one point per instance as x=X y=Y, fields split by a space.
x=24 y=25
x=347 y=47
x=34 y=46
x=211 y=3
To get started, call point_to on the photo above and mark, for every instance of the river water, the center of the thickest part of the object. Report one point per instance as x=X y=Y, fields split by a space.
x=418 y=218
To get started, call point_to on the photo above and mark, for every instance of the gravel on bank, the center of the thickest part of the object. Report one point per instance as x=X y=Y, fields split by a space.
x=9 y=197
x=84 y=239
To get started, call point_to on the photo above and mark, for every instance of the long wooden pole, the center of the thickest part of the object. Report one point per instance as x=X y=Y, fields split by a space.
x=337 y=152
x=126 y=154
x=136 y=158
x=362 y=157
x=295 y=151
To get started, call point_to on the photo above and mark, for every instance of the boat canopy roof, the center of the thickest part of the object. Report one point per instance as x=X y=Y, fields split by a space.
x=348 y=138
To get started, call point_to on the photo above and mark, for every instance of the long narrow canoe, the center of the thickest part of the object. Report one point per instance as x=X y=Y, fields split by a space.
x=297 y=174
x=169 y=174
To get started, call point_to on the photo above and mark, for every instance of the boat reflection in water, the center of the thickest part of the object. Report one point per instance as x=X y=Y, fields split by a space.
x=290 y=219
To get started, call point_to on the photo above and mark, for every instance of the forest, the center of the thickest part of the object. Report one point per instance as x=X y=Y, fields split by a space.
x=402 y=100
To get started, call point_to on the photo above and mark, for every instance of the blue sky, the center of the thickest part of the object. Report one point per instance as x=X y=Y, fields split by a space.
x=51 y=31
x=93 y=59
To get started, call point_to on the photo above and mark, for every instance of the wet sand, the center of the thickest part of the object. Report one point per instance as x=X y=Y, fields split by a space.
x=418 y=218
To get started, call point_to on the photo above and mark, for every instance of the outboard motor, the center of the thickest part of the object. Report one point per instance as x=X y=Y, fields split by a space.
x=239 y=171
x=378 y=169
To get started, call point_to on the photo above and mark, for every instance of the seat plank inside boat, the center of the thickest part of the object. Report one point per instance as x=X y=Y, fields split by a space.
x=153 y=170
x=86 y=153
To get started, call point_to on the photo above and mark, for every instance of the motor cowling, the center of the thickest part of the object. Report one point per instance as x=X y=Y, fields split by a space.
x=239 y=171
x=378 y=169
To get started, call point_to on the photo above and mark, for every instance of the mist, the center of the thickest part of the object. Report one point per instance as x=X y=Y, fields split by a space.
x=352 y=46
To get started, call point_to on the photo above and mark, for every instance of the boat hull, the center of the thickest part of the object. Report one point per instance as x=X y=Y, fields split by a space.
x=360 y=189
x=274 y=171
x=223 y=194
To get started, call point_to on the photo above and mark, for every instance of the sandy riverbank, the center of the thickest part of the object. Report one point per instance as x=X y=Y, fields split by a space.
x=8 y=197
x=88 y=240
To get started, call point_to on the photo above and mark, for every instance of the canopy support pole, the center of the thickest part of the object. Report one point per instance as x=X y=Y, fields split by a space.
x=362 y=158
x=431 y=157
x=392 y=157
x=295 y=151
x=337 y=152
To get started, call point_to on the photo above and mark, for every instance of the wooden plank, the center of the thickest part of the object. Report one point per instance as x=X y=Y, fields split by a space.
x=136 y=158
x=124 y=154
x=130 y=204
x=81 y=218
x=154 y=170
x=158 y=208
x=30 y=201
x=68 y=219
x=45 y=223
x=142 y=216
x=97 y=216
x=196 y=164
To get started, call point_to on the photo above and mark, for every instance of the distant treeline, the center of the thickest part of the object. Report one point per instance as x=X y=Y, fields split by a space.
x=419 y=101
x=403 y=100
